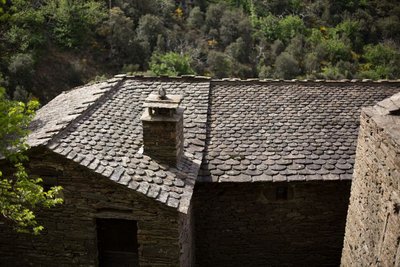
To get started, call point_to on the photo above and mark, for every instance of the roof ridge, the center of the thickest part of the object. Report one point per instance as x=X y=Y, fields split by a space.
x=164 y=77
x=207 y=78
x=300 y=81
x=266 y=80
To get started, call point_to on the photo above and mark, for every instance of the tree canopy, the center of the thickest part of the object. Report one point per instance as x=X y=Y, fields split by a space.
x=49 y=46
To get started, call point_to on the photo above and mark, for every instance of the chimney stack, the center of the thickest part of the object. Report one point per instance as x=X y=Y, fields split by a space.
x=163 y=127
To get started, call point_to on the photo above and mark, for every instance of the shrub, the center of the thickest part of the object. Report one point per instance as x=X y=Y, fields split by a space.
x=171 y=64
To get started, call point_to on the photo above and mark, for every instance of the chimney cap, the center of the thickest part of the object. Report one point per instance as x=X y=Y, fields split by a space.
x=169 y=102
x=162 y=93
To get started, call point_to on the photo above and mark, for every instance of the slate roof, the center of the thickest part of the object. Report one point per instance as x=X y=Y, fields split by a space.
x=234 y=131
x=63 y=109
x=107 y=137
x=285 y=131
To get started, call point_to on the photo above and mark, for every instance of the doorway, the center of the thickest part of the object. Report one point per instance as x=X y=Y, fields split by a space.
x=117 y=243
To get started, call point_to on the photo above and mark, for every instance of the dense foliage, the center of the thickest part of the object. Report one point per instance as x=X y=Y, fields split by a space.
x=20 y=194
x=47 y=46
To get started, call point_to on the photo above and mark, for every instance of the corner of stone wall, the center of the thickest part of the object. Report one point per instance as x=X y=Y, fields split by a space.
x=186 y=241
x=372 y=236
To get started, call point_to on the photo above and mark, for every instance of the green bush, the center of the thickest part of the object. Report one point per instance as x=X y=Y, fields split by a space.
x=171 y=64
x=289 y=27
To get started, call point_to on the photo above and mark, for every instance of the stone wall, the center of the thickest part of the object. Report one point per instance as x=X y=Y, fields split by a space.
x=186 y=238
x=373 y=222
x=251 y=224
x=70 y=235
x=163 y=137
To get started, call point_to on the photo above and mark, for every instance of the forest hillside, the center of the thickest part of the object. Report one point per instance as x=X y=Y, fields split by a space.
x=50 y=46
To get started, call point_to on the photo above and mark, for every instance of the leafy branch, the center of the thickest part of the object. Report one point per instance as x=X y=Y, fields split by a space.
x=20 y=194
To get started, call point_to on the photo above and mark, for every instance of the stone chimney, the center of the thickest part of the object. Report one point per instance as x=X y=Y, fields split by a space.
x=163 y=128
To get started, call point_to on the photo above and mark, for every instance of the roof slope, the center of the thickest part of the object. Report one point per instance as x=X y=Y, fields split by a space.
x=63 y=109
x=285 y=131
x=107 y=138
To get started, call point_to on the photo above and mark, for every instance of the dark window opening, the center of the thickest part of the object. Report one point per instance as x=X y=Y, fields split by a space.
x=281 y=193
x=117 y=242
x=49 y=182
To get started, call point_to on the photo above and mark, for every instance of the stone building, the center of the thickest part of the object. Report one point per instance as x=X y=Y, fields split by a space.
x=216 y=173
x=373 y=220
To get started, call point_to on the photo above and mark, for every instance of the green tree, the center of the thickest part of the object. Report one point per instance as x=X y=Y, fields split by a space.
x=21 y=69
x=296 y=47
x=267 y=27
x=289 y=27
x=196 y=18
x=2 y=6
x=286 y=66
x=74 y=21
x=120 y=33
x=350 y=30
x=20 y=195
x=219 y=64
x=214 y=14
x=171 y=64
x=238 y=50
x=25 y=26
x=229 y=31
x=312 y=63
x=381 y=62
x=147 y=33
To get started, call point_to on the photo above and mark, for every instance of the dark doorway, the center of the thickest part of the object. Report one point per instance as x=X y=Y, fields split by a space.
x=117 y=243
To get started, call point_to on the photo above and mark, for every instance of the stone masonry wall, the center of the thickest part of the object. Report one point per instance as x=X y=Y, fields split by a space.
x=163 y=139
x=70 y=235
x=186 y=238
x=243 y=224
x=373 y=221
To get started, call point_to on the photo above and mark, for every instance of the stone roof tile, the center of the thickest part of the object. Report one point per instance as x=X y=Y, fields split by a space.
x=109 y=137
x=238 y=131
x=292 y=129
x=63 y=109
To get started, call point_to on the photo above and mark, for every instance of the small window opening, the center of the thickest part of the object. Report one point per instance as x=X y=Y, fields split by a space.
x=49 y=182
x=117 y=242
x=281 y=193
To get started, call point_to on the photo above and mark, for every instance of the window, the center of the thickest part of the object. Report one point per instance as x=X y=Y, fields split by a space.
x=281 y=193
x=117 y=242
